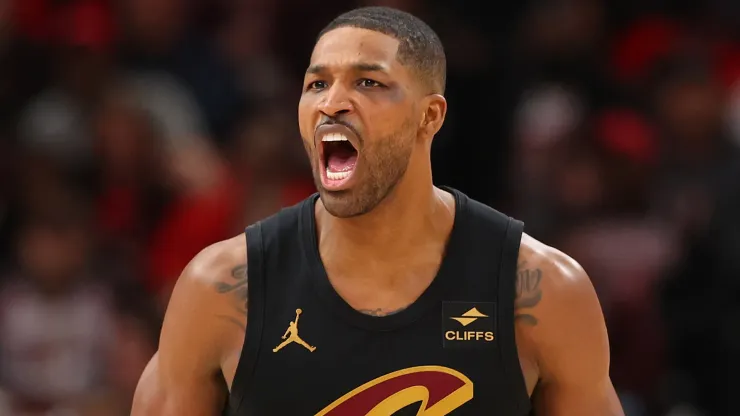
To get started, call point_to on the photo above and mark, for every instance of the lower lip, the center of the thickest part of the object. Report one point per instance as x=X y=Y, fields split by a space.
x=336 y=184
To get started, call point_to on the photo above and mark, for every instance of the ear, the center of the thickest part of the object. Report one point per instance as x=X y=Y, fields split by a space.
x=434 y=109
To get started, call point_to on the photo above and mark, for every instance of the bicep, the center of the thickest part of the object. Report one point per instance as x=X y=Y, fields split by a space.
x=157 y=394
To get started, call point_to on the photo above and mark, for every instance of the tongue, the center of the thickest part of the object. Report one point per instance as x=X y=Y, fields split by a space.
x=342 y=160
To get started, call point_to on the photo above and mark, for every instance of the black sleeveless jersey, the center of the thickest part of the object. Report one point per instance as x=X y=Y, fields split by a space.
x=452 y=352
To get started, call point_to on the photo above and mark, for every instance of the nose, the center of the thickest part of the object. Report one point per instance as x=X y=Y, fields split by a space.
x=336 y=101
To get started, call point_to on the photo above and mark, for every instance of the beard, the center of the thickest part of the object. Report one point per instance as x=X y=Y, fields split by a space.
x=381 y=164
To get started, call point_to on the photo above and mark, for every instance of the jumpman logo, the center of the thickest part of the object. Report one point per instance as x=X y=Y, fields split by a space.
x=291 y=335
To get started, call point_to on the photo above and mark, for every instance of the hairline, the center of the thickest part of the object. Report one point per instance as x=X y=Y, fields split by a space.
x=429 y=84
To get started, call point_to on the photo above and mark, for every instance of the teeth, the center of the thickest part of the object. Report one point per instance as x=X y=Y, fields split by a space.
x=335 y=176
x=334 y=137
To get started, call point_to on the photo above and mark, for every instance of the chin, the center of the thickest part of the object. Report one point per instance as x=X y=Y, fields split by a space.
x=344 y=204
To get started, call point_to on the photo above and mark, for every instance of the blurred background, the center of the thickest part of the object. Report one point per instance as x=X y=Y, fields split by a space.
x=133 y=133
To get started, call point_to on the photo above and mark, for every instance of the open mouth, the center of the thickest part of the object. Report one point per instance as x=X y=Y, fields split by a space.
x=339 y=158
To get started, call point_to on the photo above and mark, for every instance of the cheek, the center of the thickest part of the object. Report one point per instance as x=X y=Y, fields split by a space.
x=390 y=120
x=394 y=128
x=391 y=149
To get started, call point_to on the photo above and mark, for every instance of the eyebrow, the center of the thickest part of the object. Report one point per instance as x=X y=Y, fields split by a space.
x=359 y=67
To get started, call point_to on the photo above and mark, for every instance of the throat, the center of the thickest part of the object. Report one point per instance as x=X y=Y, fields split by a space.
x=402 y=221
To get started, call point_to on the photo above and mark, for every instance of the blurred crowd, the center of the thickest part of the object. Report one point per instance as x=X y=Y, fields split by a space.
x=133 y=133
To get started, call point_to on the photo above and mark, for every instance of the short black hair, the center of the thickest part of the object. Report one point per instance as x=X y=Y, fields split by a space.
x=420 y=47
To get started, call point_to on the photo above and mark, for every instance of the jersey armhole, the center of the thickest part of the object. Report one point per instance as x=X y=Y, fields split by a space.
x=255 y=318
x=507 y=333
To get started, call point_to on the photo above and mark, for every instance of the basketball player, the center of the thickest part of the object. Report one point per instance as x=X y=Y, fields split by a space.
x=412 y=299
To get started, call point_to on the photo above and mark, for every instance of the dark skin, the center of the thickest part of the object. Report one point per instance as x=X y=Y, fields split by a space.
x=400 y=241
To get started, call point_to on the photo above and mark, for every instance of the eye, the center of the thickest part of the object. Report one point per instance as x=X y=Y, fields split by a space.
x=316 y=85
x=368 y=83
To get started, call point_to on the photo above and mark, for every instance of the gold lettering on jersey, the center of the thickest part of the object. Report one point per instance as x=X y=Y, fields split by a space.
x=440 y=390
x=466 y=319
x=486 y=336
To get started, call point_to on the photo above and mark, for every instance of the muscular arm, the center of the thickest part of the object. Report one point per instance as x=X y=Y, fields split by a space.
x=559 y=320
x=201 y=337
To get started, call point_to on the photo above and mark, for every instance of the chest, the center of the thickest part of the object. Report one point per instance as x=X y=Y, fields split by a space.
x=314 y=360
x=371 y=285
x=527 y=362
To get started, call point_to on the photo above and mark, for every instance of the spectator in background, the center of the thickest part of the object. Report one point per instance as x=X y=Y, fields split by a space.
x=155 y=54
x=627 y=248
x=247 y=43
x=42 y=182
x=251 y=74
x=270 y=165
x=699 y=185
x=57 y=121
x=575 y=187
x=546 y=122
x=696 y=154
x=201 y=211
x=132 y=189
x=153 y=198
x=267 y=172
x=701 y=311
x=170 y=56
x=154 y=28
x=172 y=107
x=55 y=314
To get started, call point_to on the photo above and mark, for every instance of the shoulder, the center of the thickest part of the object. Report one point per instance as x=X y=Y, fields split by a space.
x=219 y=256
x=215 y=284
x=216 y=262
x=209 y=299
x=557 y=310
x=550 y=269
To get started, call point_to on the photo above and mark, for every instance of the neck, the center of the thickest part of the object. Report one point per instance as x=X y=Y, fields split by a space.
x=410 y=214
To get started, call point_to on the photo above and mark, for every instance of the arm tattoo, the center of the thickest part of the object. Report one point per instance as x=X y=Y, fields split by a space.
x=237 y=288
x=528 y=292
x=380 y=312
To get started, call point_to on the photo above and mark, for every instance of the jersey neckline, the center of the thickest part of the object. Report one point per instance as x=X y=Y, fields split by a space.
x=430 y=296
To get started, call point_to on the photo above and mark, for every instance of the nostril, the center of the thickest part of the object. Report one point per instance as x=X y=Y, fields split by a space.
x=333 y=113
